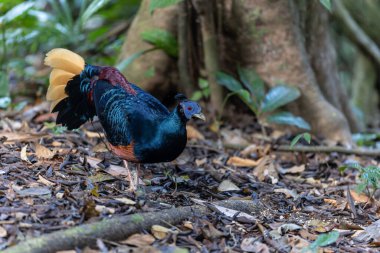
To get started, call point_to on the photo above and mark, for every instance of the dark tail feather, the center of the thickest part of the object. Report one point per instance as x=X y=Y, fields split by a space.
x=75 y=110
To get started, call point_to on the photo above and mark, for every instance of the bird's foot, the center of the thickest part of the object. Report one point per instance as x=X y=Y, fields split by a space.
x=133 y=181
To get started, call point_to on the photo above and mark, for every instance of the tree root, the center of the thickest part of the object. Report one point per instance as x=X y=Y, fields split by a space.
x=119 y=228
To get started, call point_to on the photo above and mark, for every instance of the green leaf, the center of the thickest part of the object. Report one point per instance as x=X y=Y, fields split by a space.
x=125 y=63
x=252 y=81
x=363 y=139
x=206 y=92
x=15 y=12
x=155 y=4
x=326 y=4
x=354 y=166
x=245 y=96
x=92 y=9
x=4 y=87
x=361 y=187
x=202 y=83
x=371 y=176
x=279 y=96
x=287 y=118
x=163 y=40
x=324 y=240
x=228 y=81
x=307 y=137
x=5 y=102
x=295 y=140
x=197 y=95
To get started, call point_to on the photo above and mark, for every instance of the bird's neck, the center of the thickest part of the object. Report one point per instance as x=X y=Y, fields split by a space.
x=175 y=121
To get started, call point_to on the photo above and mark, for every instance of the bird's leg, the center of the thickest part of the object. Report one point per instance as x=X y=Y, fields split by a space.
x=132 y=186
x=137 y=174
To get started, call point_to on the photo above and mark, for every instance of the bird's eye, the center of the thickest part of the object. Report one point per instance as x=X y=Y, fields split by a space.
x=189 y=108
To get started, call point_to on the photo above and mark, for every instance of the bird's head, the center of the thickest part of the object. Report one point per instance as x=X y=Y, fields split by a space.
x=189 y=109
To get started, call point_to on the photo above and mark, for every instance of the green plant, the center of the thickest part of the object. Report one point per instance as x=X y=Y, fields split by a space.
x=155 y=4
x=305 y=136
x=363 y=139
x=369 y=176
x=203 y=92
x=54 y=128
x=322 y=240
x=251 y=90
x=326 y=4
x=160 y=39
x=28 y=29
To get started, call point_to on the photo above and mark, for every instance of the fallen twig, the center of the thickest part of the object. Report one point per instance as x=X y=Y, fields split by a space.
x=325 y=149
x=119 y=228
x=315 y=149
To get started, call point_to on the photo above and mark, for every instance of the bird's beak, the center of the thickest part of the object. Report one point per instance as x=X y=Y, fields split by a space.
x=200 y=116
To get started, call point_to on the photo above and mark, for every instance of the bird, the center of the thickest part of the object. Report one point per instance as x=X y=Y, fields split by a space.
x=137 y=126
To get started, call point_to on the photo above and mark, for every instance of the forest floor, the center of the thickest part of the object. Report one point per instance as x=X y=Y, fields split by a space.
x=53 y=180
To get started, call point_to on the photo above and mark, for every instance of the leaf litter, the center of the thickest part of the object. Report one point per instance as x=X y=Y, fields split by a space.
x=52 y=181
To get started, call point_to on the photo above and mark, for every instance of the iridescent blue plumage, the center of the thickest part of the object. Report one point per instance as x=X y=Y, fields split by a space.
x=138 y=127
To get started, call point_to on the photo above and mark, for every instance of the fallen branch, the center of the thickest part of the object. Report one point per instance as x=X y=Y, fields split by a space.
x=325 y=149
x=314 y=149
x=119 y=228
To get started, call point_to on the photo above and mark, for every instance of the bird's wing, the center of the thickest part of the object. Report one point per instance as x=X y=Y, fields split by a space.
x=153 y=104
x=122 y=114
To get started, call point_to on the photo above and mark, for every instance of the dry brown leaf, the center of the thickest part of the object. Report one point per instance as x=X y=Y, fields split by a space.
x=331 y=202
x=288 y=193
x=211 y=232
x=200 y=162
x=23 y=154
x=227 y=185
x=104 y=209
x=66 y=251
x=98 y=148
x=193 y=133
x=252 y=244
x=188 y=225
x=139 y=240
x=293 y=170
x=266 y=168
x=113 y=170
x=242 y=162
x=20 y=137
x=89 y=250
x=56 y=144
x=307 y=235
x=159 y=232
x=3 y=232
x=90 y=134
x=297 y=243
x=126 y=201
x=43 y=152
x=319 y=225
x=234 y=138
x=43 y=180
x=359 y=198
x=253 y=148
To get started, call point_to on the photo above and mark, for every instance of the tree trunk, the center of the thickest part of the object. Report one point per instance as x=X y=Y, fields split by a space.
x=271 y=41
x=165 y=75
x=323 y=60
x=365 y=96
x=269 y=36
